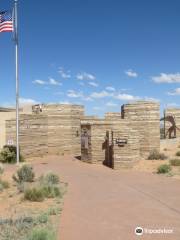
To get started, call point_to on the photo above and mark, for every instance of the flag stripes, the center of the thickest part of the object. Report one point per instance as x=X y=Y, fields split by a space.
x=6 y=22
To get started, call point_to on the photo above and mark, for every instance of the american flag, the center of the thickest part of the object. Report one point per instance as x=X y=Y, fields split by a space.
x=6 y=21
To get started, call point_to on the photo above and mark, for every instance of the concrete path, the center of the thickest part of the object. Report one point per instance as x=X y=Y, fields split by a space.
x=103 y=204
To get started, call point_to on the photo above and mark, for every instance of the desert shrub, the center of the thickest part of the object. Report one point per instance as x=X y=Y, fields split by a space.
x=41 y=234
x=3 y=185
x=155 y=155
x=34 y=194
x=164 y=168
x=50 y=185
x=22 y=186
x=8 y=154
x=1 y=169
x=175 y=162
x=178 y=153
x=54 y=211
x=51 y=191
x=24 y=174
x=49 y=179
x=42 y=218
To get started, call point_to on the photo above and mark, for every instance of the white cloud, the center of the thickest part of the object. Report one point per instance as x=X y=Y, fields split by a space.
x=64 y=74
x=175 y=92
x=172 y=105
x=85 y=76
x=88 y=99
x=111 y=104
x=40 y=82
x=126 y=97
x=64 y=102
x=131 y=73
x=167 y=78
x=52 y=81
x=151 y=99
x=93 y=84
x=111 y=89
x=27 y=101
x=74 y=94
x=101 y=94
x=115 y=95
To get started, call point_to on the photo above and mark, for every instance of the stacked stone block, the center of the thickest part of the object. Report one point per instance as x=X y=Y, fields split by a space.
x=33 y=137
x=144 y=117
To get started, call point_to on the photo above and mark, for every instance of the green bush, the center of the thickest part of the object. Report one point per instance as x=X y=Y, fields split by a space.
x=22 y=186
x=164 y=168
x=1 y=169
x=51 y=191
x=178 y=153
x=175 y=162
x=42 y=218
x=3 y=185
x=155 y=155
x=8 y=155
x=41 y=234
x=54 y=211
x=34 y=194
x=49 y=179
x=24 y=174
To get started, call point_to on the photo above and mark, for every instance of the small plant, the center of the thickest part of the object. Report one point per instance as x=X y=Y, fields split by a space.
x=164 y=168
x=34 y=194
x=1 y=169
x=3 y=185
x=51 y=191
x=41 y=234
x=49 y=179
x=8 y=155
x=54 y=211
x=178 y=153
x=24 y=174
x=43 y=218
x=175 y=162
x=155 y=155
x=22 y=186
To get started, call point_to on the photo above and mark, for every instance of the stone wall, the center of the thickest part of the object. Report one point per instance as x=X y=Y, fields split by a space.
x=112 y=115
x=99 y=144
x=144 y=117
x=126 y=153
x=62 y=130
x=33 y=137
x=92 y=150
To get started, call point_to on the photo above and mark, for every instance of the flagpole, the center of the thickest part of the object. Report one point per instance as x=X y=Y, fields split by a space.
x=17 y=77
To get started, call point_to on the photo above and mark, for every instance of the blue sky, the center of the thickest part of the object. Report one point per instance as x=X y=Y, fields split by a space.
x=100 y=53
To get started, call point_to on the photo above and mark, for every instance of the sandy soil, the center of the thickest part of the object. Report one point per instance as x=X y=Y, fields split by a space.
x=169 y=148
x=12 y=204
x=103 y=204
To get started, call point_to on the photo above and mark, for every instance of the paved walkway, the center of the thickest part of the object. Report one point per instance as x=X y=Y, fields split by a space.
x=103 y=204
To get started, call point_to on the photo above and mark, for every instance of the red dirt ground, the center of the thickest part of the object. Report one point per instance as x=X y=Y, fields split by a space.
x=103 y=204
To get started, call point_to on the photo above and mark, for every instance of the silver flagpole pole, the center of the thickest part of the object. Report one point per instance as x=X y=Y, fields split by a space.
x=17 y=78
